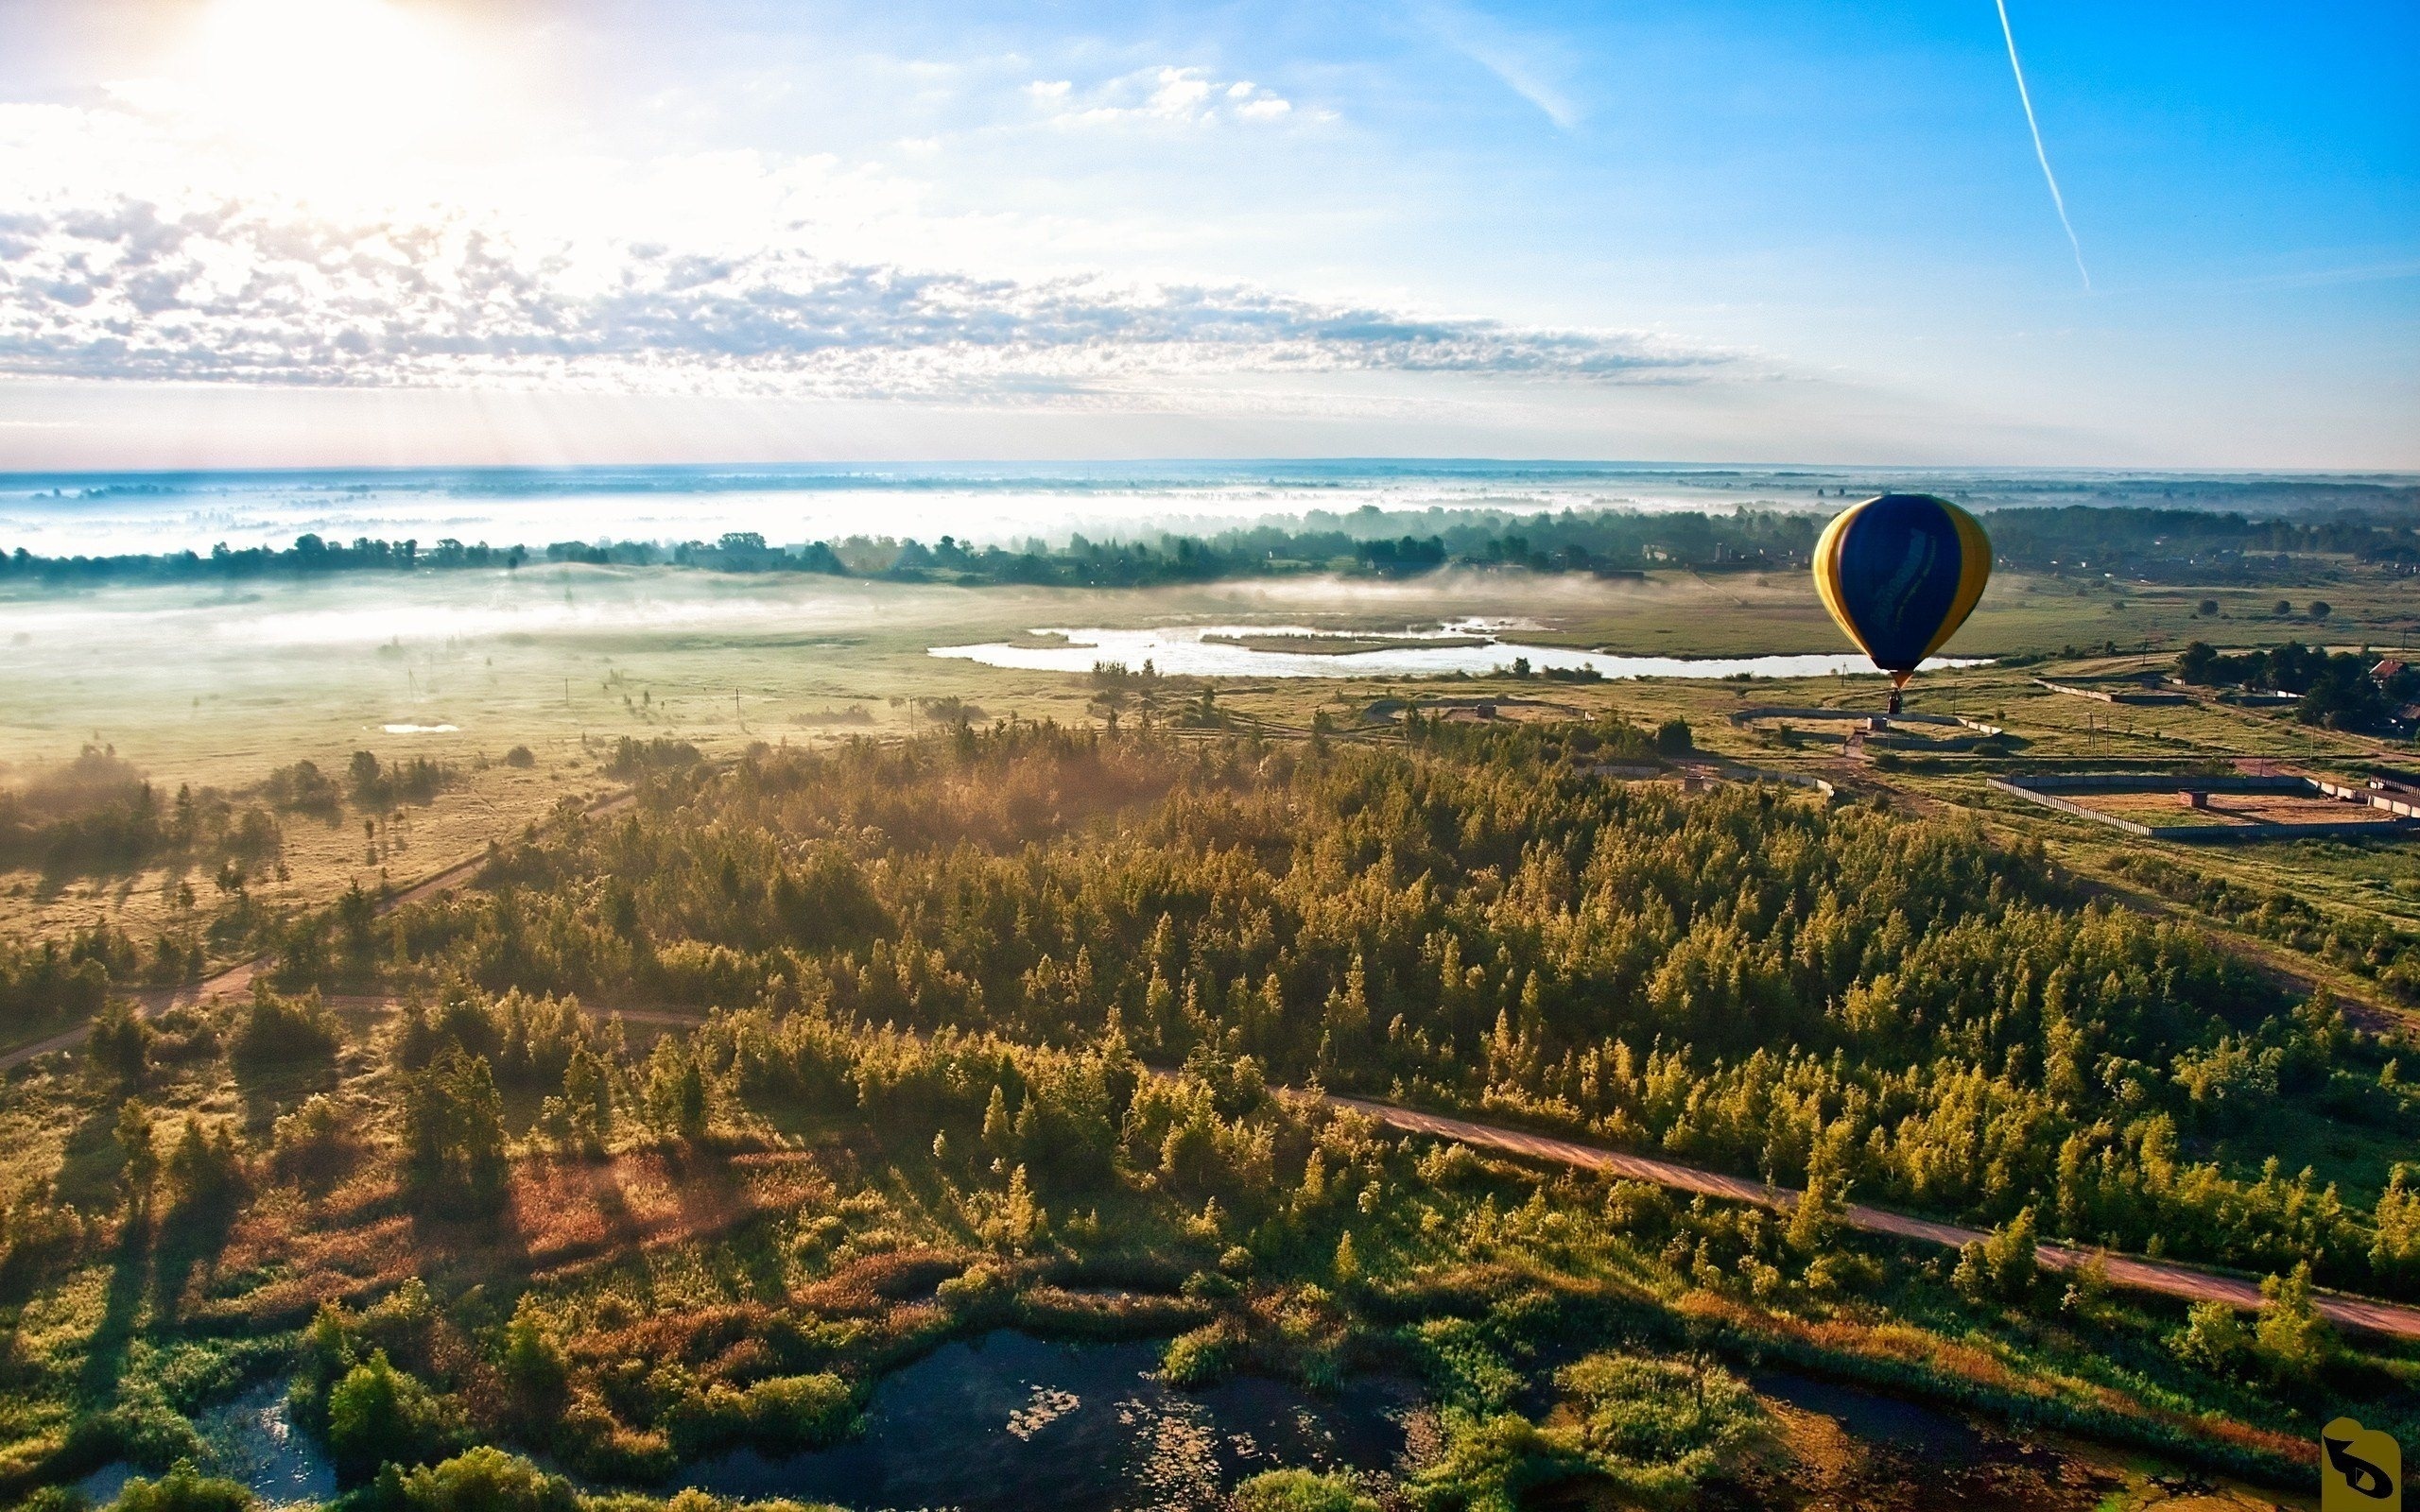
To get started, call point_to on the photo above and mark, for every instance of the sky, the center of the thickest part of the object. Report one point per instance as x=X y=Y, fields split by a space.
x=295 y=233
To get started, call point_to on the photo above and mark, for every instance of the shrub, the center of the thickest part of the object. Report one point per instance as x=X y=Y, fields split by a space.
x=1657 y=1423
x=302 y=787
x=2395 y=1254
x=632 y=757
x=799 y=1412
x=1490 y=1463
x=314 y=1144
x=276 y=1028
x=535 y=1371
x=378 y=1415
x=2002 y=1267
x=120 y=1044
x=206 y=1168
x=1301 y=1491
x=184 y=1489
x=520 y=756
x=485 y=1480
x=454 y=1139
x=2213 y=1338
x=785 y=1413
x=1203 y=1356
x=183 y=1033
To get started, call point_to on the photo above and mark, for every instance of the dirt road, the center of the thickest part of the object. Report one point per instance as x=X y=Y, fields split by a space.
x=2124 y=1270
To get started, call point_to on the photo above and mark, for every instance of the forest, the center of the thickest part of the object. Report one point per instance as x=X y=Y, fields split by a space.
x=1740 y=977
x=992 y=1029
x=2153 y=544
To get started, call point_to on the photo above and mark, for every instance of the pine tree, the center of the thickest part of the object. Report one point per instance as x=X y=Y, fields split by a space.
x=999 y=1134
x=677 y=1094
x=2294 y=1340
x=2396 y=1253
x=588 y=1099
x=536 y=1371
x=454 y=1139
x=204 y=1166
x=1021 y=1215
x=142 y=1155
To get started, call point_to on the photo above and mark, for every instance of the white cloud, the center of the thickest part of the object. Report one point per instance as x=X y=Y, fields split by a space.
x=1524 y=65
x=725 y=273
x=129 y=290
x=1167 y=95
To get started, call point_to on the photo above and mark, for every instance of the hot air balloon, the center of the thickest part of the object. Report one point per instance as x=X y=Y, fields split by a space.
x=1900 y=573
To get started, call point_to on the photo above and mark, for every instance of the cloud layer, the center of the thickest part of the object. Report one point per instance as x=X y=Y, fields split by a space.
x=731 y=274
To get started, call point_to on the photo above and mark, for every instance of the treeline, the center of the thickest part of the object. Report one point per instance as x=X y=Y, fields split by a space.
x=99 y=815
x=2192 y=545
x=2336 y=688
x=309 y=557
x=1603 y=543
x=1829 y=997
x=2369 y=944
x=2164 y=544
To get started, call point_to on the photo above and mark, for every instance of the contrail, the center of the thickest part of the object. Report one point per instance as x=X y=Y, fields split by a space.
x=2036 y=127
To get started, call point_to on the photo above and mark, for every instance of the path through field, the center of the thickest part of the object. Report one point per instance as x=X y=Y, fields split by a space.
x=2163 y=1276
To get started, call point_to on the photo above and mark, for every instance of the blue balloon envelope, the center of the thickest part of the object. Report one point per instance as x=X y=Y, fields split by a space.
x=1900 y=573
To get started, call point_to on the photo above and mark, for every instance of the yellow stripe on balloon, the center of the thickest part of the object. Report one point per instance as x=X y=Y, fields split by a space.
x=1974 y=572
x=1827 y=573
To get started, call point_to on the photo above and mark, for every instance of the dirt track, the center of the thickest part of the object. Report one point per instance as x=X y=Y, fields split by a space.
x=2124 y=1270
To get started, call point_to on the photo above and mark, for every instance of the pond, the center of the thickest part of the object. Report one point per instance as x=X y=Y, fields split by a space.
x=1214 y=651
x=251 y=1438
x=1008 y=1420
x=1971 y=1464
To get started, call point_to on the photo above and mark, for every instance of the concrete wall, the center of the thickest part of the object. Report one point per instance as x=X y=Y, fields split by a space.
x=2041 y=790
x=2157 y=782
x=1743 y=717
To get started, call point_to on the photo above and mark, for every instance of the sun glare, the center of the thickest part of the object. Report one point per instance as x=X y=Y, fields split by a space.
x=343 y=79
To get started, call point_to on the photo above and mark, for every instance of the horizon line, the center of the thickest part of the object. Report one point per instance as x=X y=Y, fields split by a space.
x=9 y=475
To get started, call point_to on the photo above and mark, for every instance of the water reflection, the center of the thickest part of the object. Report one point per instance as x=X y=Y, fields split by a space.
x=1213 y=651
x=249 y=1438
x=1012 y=1422
x=253 y=1439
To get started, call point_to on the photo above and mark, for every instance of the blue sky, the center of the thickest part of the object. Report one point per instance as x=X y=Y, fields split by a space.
x=373 y=231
